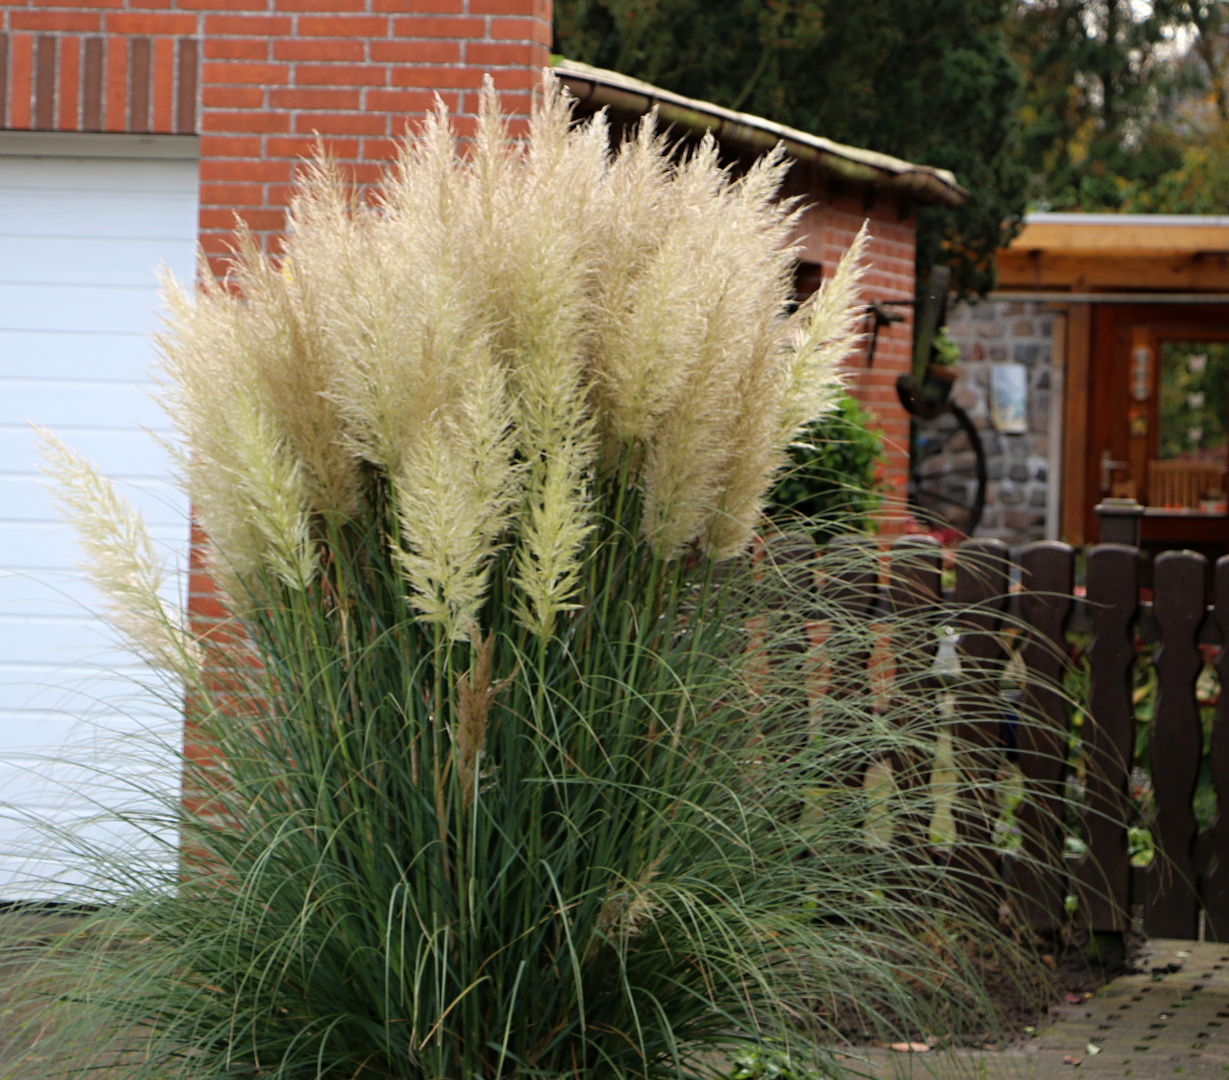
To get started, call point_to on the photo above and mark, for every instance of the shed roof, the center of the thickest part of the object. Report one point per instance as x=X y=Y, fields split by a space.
x=599 y=88
x=1113 y=234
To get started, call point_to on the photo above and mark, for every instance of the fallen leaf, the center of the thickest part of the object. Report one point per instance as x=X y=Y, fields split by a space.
x=1049 y=961
x=1073 y=999
x=1071 y=1059
x=909 y=1047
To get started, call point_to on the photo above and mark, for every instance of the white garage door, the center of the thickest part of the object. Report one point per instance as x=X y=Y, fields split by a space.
x=85 y=221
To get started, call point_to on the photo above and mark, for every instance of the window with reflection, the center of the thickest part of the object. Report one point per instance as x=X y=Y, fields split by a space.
x=1188 y=473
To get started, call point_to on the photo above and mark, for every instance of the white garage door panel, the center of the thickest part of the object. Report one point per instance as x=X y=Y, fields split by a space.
x=64 y=594
x=32 y=547
x=81 y=240
x=81 y=403
x=51 y=354
x=90 y=308
x=120 y=454
x=33 y=639
x=81 y=693
x=43 y=594
x=59 y=728
x=26 y=498
x=65 y=213
x=105 y=175
x=74 y=260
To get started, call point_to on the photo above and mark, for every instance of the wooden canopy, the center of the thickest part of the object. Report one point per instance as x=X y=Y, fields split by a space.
x=1097 y=253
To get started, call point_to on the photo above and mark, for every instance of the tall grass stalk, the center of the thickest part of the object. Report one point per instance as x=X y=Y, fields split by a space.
x=510 y=760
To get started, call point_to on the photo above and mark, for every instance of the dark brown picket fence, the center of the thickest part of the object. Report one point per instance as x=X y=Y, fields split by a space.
x=1190 y=871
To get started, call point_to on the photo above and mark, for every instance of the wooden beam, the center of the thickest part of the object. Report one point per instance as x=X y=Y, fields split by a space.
x=1057 y=421
x=1122 y=236
x=1027 y=270
x=1075 y=422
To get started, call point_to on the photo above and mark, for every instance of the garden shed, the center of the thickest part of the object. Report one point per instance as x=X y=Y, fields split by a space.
x=130 y=133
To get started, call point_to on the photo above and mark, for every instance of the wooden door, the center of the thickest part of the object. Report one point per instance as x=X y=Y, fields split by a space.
x=1158 y=420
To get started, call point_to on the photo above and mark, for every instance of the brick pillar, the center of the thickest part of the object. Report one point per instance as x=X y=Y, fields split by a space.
x=892 y=253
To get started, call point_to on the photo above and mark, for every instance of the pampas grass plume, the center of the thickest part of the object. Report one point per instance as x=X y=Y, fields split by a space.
x=120 y=560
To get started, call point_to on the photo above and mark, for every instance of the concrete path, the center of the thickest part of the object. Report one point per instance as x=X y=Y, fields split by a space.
x=1163 y=1025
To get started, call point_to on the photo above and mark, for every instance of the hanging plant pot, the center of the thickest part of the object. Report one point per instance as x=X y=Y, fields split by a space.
x=929 y=399
x=937 y=385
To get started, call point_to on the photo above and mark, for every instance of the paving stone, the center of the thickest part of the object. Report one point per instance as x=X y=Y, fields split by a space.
x=1160 y=1025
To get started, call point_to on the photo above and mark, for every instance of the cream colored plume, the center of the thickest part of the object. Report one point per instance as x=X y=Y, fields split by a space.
x=455 y=492
x=737 y=276
x=532 y=263
x=487 y=340
x=120 y=561
x=270 y=485
x=826 y=338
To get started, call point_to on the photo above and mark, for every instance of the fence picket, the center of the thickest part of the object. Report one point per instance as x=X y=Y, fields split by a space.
x=916 y=591
x=1045 y=604
x=847 y=600
x=1216 y=882
x=981 y=597
x=847 y=597
x=1175 y=743
x=1113 y=600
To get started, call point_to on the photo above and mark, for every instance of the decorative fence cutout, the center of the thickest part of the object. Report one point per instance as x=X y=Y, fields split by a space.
x=1190 y=871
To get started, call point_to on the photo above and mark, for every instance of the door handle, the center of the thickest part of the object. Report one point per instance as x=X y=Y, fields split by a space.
x=1108 y=467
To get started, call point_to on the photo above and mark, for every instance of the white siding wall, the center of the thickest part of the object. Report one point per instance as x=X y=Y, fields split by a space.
x=85 y=222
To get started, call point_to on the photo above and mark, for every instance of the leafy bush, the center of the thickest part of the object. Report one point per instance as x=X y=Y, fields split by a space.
x=764 y=1063
x=834 y=477
x=505 y=759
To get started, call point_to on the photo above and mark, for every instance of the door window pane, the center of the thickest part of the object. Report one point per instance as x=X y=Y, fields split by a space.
x=1194 y=401
x=1188 y=474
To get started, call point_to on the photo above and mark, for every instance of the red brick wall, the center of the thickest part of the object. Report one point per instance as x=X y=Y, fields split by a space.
x=257 y=79
x=893 y=234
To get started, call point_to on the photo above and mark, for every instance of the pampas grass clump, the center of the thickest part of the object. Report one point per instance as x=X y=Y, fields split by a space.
x=506 y=763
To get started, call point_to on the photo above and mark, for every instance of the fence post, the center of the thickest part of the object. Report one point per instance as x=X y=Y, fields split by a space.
x=1175 y=745
x=1108 y=736
x=981 y=596
x=1216 y=882
x=916 y=593
x=1119 y=521
x=1045 y=603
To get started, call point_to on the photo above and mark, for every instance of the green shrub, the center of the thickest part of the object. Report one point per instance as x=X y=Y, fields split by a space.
x=835 y=473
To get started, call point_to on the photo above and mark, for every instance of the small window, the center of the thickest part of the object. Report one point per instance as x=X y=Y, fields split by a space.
x=1193 y=435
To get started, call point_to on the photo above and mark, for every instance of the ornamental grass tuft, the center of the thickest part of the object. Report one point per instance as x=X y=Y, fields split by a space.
x=510 y=759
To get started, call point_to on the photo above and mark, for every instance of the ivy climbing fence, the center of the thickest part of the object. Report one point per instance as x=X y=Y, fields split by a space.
x=1142 y=717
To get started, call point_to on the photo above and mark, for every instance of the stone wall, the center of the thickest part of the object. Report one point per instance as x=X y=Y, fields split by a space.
x=999 y=332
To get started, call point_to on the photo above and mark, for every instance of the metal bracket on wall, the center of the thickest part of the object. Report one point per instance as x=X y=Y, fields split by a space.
x=883 y=317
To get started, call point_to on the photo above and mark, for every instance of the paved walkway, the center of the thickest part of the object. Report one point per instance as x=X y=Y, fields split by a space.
x=1169 y=1024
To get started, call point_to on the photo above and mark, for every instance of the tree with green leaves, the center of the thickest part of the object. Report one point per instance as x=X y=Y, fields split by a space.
x=931 y=81
x=1094 y=78
x=1126 y=105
